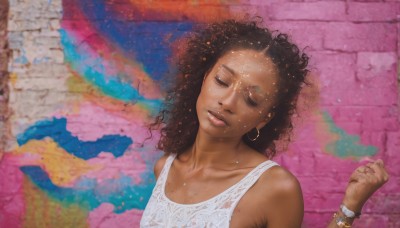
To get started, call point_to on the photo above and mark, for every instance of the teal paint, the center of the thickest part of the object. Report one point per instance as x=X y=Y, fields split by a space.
x=347 y=145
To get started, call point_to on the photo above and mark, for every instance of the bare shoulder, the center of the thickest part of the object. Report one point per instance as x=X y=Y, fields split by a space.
x=159 y=165
x=275 y=200
x=280 y=181
x=282 y=198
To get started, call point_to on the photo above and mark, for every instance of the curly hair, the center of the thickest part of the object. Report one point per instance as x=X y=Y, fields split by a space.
x=178 y=118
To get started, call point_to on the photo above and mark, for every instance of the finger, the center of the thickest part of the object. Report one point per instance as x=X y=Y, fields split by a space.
x=378 y=167
x=380 y=163
x=366 y=160
x=358 y=174
x=371 y=168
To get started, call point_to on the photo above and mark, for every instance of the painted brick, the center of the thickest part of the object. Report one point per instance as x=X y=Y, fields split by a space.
x=316 y=199
x=372 y=119
x=394 y=221
x=372 y=220
x=354 y=64
x=333 y=69
x=351 y=37
x=299 y=32
x=336 y=72
x=308 y=11
x=313 y=219
x=376 y=69
x=360 y=95
x=362 y=11
x=392 y=155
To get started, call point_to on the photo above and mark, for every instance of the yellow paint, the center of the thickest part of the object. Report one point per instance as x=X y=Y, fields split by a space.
x=13 y=79
x=89 y=93
x=77 y=85
x=63 y=168
x=43 y=211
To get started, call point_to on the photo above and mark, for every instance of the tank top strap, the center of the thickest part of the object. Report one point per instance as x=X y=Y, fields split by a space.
x=165 y=170
x=247 y=182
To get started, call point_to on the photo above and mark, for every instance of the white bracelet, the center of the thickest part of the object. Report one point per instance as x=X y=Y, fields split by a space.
x=348 y=213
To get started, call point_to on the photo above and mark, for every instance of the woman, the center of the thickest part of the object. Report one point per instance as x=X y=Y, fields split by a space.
x=236 y=92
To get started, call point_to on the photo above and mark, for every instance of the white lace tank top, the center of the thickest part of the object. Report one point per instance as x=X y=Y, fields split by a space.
x=214 y=212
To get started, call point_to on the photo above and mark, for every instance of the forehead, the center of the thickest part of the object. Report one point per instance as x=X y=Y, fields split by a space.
x=251 y=66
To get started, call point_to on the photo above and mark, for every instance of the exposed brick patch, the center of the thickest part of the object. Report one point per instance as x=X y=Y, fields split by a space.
x=4 y=91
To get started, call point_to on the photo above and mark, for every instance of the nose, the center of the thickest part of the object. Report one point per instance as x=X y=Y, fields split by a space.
x=229 y=100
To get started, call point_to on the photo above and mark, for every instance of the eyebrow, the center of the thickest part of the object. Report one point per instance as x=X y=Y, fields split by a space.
x=228 y=69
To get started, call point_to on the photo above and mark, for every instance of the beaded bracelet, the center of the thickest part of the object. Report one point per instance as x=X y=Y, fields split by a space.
x=341 y=221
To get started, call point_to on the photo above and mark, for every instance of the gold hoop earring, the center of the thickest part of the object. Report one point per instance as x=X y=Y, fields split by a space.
x=253 y=139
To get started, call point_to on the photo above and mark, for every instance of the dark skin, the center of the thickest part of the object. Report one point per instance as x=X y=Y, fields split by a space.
x=237 y=96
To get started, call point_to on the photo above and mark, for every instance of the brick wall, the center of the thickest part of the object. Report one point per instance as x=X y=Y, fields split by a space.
x=86 y=76
x=4 y=54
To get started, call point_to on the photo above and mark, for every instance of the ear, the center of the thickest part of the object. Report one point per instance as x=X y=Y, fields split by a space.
x=266 y=120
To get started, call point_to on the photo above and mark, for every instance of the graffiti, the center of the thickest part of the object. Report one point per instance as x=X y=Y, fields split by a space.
x=90 y=163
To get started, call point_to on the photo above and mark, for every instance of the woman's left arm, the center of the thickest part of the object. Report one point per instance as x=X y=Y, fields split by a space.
x=364 y=181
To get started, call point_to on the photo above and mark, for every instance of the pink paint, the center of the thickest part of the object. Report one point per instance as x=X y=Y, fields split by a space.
x=308 y=11
x=372 y=11
x=99 y=122
x=355 y=67
x=131 y=164
x=351 y=37
x=104 y=217
x=12 y=203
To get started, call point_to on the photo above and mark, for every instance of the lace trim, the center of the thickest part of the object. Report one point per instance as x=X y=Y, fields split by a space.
x=214 y=212
x=267 y=164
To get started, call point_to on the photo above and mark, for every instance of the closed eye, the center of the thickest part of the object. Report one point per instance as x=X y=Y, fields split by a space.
x=251 y=102
x=220 y=82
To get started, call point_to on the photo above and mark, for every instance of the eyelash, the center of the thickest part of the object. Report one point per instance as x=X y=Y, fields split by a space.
x=220 y=82
x=249 y=101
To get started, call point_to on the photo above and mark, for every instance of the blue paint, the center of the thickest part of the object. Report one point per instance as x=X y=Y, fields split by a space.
x=144 y=40
x=21 y=60
x=122 y=192
x=41 y=60
x=93 y=71
x=57 y=130
x=347 y=145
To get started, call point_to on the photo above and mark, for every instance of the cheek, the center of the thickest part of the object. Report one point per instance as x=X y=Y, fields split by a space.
x=208 y=92
x=202 y=98
x=250 y=118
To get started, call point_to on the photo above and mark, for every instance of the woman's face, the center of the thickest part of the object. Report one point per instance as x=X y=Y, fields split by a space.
x=237 y=94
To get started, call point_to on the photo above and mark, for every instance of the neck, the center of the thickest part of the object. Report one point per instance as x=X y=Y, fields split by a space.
x=210 y=151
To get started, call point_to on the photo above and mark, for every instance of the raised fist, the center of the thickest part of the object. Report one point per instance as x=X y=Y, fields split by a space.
x=364 y=181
